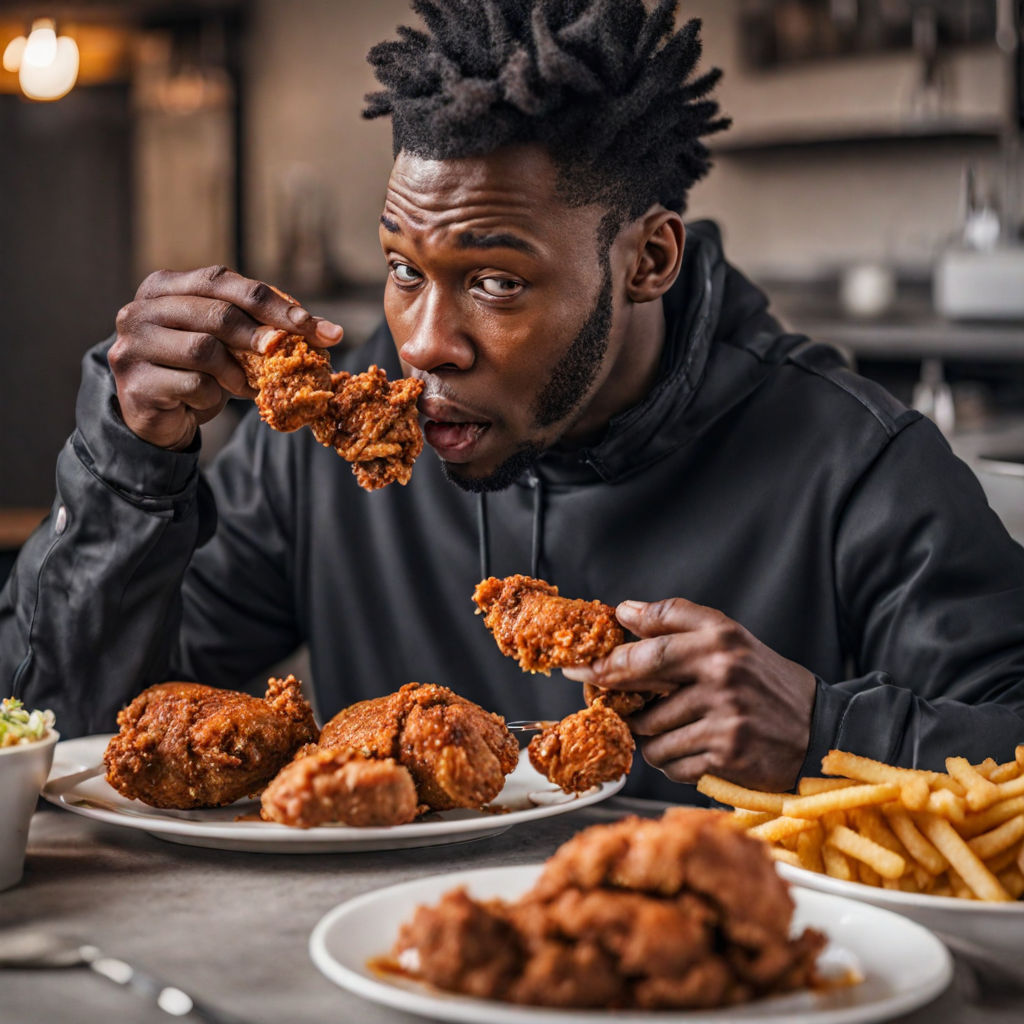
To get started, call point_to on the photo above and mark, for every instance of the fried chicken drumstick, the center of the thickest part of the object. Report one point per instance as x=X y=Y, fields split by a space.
x=185 y=745
x=584 y=749
x=370 y=421
x=681 y=912
x=541 y=630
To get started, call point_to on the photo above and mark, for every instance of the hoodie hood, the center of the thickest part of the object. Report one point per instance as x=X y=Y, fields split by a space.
x=720 y=342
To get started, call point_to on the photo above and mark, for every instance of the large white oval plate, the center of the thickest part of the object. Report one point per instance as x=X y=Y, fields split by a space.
x=903 y=965
x=526 y=796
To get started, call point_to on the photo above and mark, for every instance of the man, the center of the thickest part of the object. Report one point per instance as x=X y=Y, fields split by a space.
x=802 y=561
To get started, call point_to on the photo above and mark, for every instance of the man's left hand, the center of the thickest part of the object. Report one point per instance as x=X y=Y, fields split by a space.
x=730 y=705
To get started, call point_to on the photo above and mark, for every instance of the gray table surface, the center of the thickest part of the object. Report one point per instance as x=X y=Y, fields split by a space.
x=233 y=928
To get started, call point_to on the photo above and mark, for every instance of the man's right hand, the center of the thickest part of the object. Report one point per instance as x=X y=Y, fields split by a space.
x=171 y=361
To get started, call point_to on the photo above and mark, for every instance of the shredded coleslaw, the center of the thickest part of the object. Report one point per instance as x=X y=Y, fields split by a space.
x=19 y=726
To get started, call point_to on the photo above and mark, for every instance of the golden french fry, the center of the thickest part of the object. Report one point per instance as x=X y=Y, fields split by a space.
x=838 y=800
x=809 y=785
x=986 y=767
x=1012 y=880
x=748 y=819
x=1020 y=859
x=1000 y=838
x=739 y=796
x=836 y=863
x=853 y=844
x=1011 y=788
x=780 y=828
x=1004 y=859
x=975 y=824
x=786 y=856
x=1004 y=772
x=963 y=859
x=979 y=792
x=922 y=851
x=913 y=785
x=808 y=849
x=960 y=888
x=945 y=804
x=1019 y=755
x=870 y=822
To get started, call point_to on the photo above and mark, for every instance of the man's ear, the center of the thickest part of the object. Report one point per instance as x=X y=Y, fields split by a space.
x=659 y=254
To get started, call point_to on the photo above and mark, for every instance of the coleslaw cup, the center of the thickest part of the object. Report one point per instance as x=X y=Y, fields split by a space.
x=23 y=771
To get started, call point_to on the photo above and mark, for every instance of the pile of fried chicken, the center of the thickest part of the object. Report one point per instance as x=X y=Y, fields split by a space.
x=681 y=912
x=370 y=421
x=379 y=762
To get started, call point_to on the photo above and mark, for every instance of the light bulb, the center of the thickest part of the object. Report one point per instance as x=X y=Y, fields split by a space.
x=41 y=48
x=57 y=78
x=14 y=52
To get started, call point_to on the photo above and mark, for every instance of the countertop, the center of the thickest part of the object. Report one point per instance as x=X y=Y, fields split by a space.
x=233 y=928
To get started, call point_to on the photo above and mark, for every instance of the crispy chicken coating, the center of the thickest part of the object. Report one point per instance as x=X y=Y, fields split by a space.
x=680 y=912
x=185 y=745
x=584 y=749
x=373 y=423
x=457 y=753
x=541 y=630
x=370 y=421
x=340 y=785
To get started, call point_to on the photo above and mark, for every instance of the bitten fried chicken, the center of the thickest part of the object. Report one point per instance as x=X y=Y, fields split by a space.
x=370 y=421
x=541 y=630
x=340 y=785
x=584 y=749
x=457 y=753
x=185 y=745
x=681 y=912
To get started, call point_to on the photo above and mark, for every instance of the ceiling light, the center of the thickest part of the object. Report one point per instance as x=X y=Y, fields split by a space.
x=47 y=64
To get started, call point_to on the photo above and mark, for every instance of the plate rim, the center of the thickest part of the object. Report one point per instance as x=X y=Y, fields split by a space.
x=324 y=838
x=461 y=1008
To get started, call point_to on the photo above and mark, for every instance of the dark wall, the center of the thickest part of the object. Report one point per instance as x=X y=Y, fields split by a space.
x=65 y=267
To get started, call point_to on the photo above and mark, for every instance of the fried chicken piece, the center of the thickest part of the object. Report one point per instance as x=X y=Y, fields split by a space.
x=370 y=421
x=185 y=745
x=681 y=912
x=457 y=753
x=373 y=423
x=622 y=702
x=541 y=630
x=293 y=381
x=340 y=785
x=584 y=749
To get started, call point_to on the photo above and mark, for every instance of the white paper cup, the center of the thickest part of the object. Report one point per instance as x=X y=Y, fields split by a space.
x=23 y=772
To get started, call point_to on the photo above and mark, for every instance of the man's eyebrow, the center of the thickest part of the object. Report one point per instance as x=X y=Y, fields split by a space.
x=469 y=240
x=393 y=226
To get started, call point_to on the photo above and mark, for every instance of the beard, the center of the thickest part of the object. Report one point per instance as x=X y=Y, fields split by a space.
x=560 y=397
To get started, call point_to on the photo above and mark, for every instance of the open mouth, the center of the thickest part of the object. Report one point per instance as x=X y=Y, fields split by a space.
x=450 y=439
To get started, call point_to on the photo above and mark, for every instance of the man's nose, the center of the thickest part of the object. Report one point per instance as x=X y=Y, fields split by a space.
x=438 y=339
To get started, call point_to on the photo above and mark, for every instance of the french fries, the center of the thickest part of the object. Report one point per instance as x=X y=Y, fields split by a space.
x=953 y=833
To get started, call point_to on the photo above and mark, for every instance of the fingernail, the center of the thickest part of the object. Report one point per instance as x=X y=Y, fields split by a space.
x=633 y=607
x=577 y=673
x=298 y=316
x=328 y=330
x=263 y=337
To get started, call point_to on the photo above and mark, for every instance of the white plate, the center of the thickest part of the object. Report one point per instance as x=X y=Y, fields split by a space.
x=903 y=965
x=526 y=796
x=995 y=929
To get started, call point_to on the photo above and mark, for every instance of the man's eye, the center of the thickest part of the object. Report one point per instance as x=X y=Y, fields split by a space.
x=404 y=274
x=500 y=287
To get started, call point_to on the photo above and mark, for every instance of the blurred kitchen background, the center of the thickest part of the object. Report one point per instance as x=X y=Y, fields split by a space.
x=872 y=183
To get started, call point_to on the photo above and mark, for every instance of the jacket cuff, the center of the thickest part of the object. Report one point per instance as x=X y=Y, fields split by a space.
x=140 y=471
x=829 y=705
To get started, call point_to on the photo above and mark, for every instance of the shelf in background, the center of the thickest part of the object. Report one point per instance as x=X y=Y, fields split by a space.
x=783 y=140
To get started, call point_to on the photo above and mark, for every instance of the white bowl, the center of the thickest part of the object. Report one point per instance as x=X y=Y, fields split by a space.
x=23 y=770
x=995 y=930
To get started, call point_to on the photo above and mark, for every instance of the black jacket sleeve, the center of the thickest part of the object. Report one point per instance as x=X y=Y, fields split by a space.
x=90 y=612
x=932 y=590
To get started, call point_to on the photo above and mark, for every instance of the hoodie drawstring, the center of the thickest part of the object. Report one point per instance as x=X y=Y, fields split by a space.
x=482 y=537
x=537 y=539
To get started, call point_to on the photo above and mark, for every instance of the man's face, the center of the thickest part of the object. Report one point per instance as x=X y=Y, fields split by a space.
x=501 y=300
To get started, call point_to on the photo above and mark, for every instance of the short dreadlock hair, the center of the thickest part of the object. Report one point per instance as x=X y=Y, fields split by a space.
x=603 y=85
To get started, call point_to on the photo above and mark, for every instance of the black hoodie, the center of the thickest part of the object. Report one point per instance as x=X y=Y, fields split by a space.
x=759 y=476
